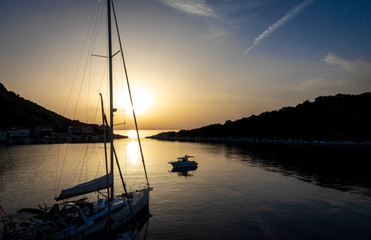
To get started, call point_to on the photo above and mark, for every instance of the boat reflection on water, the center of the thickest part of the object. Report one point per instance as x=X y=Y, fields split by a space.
x=141 y=227
x=184 y=171
x=134 y=230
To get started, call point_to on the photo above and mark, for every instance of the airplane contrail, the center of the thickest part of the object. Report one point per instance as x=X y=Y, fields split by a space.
x=289 y=15
x=316 y=55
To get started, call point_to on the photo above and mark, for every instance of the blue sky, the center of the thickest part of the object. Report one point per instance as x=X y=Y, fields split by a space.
x=199 y=62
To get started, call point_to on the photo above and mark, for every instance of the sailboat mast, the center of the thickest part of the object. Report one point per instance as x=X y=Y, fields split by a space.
x=110 y=88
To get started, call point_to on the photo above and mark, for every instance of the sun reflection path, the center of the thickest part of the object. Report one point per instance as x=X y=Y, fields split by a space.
x=132 y=151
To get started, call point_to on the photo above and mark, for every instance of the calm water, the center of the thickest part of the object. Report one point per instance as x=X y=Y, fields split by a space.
x=237 y=192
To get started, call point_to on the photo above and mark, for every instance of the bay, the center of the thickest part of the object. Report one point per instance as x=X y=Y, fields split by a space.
x=239 y=191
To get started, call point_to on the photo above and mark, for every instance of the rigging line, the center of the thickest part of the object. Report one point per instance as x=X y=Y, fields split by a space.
x=93 y=115
x=88 y=91
x=78 y=170
x=117 y=124
x=96 y=55
x=94 y=37
x=83 y=75
x=97 y=27
x=73 y=83
x=88 y=97
x=86 y=163
x=105 y=151
x=99 y=155
x=122 y=97
x=97 y=152
x=91 y=46
x=90 y=151
x=98 y=168
x=134 y=176
x=63 y=162
x=34 y=176
x=94 y=155
x=81 y=55
x=106 y=65
x=122 y=179
x=123 y=184
x=103 y=77
x=125 y=150
x=124 y=128
x=56 y=171
x=131 y=99
x=110 y=77
x=83 y=162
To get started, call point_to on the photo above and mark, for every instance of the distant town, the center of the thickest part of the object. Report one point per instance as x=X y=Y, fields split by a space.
x=25 y=122
x=46 y=135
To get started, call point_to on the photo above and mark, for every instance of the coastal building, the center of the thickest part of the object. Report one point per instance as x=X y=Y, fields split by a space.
x=3 y=134
x=18 y=133
x=44 y=132
x=80 y=130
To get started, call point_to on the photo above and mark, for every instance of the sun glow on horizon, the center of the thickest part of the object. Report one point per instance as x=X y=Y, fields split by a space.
x=141 y=100
x=132 y=134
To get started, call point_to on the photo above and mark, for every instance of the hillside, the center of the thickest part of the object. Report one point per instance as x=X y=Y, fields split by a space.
x=17 y=111
x=329 y=118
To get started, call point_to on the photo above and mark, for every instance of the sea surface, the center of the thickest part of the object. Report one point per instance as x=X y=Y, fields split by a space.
x=238 y=191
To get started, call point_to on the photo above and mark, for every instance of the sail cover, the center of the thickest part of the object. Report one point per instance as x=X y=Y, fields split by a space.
x=88 y=187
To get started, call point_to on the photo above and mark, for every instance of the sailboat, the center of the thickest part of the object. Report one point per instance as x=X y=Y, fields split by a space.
x=70 y=219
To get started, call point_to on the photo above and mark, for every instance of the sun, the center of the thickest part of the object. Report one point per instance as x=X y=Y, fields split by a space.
x=141 y=100
x=132 y=134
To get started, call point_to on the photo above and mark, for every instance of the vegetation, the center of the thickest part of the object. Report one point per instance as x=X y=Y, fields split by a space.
x=17 y=111
x=342 y=117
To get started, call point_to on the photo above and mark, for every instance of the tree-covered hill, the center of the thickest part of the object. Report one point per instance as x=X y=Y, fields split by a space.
x=342 y=117
x=17 y=111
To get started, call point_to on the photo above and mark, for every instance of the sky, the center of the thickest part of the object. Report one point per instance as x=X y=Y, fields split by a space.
x=190 y=62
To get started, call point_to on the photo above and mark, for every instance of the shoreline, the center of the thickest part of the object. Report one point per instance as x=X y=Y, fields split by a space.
x=263 y=141
x=58 y=140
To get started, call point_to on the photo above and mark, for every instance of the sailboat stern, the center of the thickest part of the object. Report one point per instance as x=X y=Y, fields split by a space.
x=120 y=213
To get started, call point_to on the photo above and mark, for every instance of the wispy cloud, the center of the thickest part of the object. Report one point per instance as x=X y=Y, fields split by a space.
x=344 y=76
x=196 y=7
x=289 y=15
x=348 y=65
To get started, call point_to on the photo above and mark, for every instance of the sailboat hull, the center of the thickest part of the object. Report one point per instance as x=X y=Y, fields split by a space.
x=119 y=214
x=79 y=219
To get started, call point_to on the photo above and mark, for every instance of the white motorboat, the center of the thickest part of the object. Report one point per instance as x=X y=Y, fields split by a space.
x=183 y=162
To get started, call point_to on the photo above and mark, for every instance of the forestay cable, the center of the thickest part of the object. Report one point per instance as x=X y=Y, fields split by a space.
x=131 y=99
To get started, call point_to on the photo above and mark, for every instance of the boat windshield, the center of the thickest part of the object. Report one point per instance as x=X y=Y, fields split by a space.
x=65 y=215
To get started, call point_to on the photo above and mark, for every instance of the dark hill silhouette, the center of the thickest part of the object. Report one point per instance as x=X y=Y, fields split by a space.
x=343 y=117
x=17 y=111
